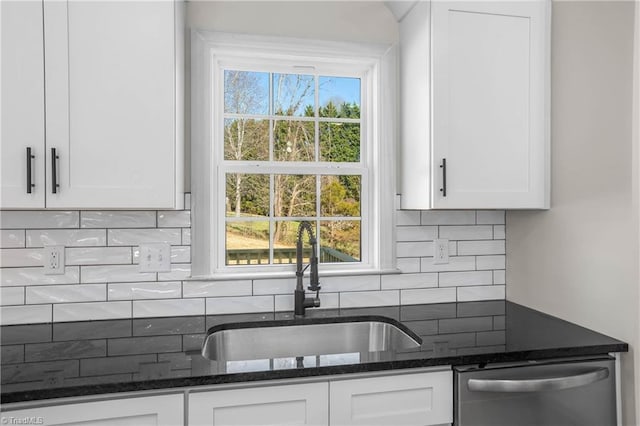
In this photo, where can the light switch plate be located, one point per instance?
(155, 257)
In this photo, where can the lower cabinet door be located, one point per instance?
(407, 399)
(303, 404)
(162, 410)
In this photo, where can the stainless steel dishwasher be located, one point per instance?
(551, 393)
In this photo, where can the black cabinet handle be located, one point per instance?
(443, 166)
(54, 171)
(30, 158)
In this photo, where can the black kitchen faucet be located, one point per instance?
(302, 302)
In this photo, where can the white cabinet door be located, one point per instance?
(489, 65)
(303, 404)
(165, 410)
(111, 103)
(408, 399)
(22, 93)
(474, 105)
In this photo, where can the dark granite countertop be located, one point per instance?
(43, 361)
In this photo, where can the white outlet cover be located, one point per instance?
(440, 251)
(53, 260)
(155, 257)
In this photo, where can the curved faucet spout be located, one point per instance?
(301, 302)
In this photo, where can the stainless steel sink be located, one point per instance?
(294, 338)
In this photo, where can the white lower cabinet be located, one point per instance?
(422, 398)
(408, 399)
(296, 404)
(161, 410)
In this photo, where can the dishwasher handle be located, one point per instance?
(538, 385)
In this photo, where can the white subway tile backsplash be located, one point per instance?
(117, 219)
(68, 238)
(91, 311)
(238, 305)
(98, 256)
(490, 262)
(36, 276)
(417, 233)
(276, 286)
(144, 290)
(11, 296)
(487, 292)
(480, 232)
(39, 219)
(400, 281)
(134, 237)
(174, 219)
(408, 265)
(492, 217)
(21, 257)
(427, 295)
(186, 236)
(432, 217)
(359, 299)
(12, 238)
(179, 271)
(115, 273)
(357, 283)
(168, 308)
(472, 248)
(102, 278)
(413, 249)
(284, 303)
(407, 217)
(455, 279)
(66, 293)
(216, 288)
(25, 314)
(180, 254)
(456, 263)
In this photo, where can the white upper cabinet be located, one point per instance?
(475, 118)
(22, 116)
(113, 105)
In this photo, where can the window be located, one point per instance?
(284, 132)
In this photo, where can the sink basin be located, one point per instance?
(305, 337)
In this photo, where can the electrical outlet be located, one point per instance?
(53, 260)
(441, 251)
(155, 257)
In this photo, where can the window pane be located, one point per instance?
(284, 242)
(339, 241)
(293, 141)
(340, 142)
(247, 195)
(246, 92)
(339, 97)
(246, 139)
(294, 195)
(247, 243)
(340, 196)
(293, 95)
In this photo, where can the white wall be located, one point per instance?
(353, 21)
(579, 261)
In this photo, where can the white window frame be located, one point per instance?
(376, 65)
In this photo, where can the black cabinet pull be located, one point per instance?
(54, 171)
(443, 166)
(30, 158)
